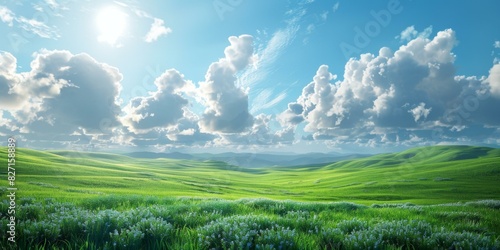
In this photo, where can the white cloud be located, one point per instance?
(6, 15)
(52, 3)
(7, 125)
(408, 34)
(61, 94)
(265, 58)
(292, 116)
(393, 97)
(494, 80)
(38, 28)
(264, 100)
(496, 44)
(73, 99)
(30, 25)
(259, 133)
(162, 119)
(411, 33)
(267, 54)
(318, 99)
(161, 109)
(420, 112)
(227, 104)
(407, 93)
(157, 29)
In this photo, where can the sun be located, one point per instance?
(111, 24)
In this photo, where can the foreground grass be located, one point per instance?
(138, 222)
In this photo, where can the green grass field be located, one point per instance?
(423, 198)
(429, 175)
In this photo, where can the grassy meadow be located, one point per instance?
(442, 197)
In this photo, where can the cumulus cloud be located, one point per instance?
(410, 96)
(494, 80)
(9, 99)
(187, 132)
(292, 116)
(260, 134)
(420, 112)
(6, 15)
(408, 93)
(157, 30)
(161, 108)
(91, 96)
(227, 104)
(61, 94)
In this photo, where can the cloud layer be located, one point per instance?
(63, 96)
(404, 97)
(406, 94)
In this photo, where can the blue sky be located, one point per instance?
(239, 75)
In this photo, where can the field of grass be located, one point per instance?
(429, 175)
(425, 198)
(138, 222)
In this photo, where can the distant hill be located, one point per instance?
(153, 155)
(427, 175)
(254, 160)
(422, 156)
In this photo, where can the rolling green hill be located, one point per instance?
(428, 175)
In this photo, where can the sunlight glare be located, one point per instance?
(111, 24)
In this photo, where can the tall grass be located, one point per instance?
(184, 223)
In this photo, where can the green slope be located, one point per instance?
(428, 175)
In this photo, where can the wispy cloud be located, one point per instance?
(38, 28)
(497, 44)
(264, 63)
(52, 3)
(411, 33)
(269, 53)
(324, 15)
(336, 6)
(157, 28)
(31, 25)
(310, 28)
(264, 100)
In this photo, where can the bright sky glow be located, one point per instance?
(111, 24)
